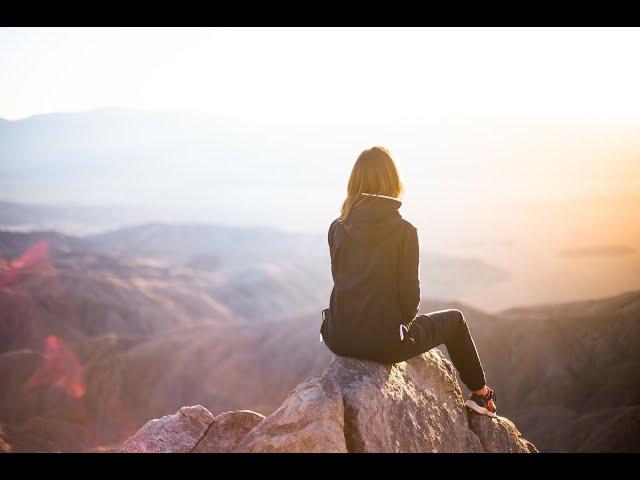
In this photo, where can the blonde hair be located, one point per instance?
(374, 172)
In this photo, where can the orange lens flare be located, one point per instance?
(60, 369)
(36, 257)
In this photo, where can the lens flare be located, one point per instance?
(37, 256)
(60, 368)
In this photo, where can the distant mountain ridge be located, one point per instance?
(85, 219)
(206, 245)
(122, 150)
(181, 241)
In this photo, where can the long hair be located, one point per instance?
(374, 172)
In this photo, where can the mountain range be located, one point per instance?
(104, 331)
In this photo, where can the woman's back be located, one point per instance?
(374, 263)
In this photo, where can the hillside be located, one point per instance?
(94, 343)
(569, 372)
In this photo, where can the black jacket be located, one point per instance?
(374, 263)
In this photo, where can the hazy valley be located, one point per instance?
(102, 332)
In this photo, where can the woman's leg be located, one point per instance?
(449, 327)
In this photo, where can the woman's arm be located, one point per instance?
(330, 235)
(409, 276)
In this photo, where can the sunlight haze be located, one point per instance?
(294, 75)
(514, 144)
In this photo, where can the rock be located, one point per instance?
(311, 419)
(413, 406)
(361, 406)
(177, 433)
(354, 406)
(226, 430)
(499, 435)
(193, 429)
(4, 445)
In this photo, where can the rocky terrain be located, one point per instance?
(354, 406)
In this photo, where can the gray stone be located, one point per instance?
(227, 430)
(177, 433)
(311, 419)
(499, 435)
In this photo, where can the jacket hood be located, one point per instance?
(373, 218)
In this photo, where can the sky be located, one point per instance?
(323, 76)
(487, 113)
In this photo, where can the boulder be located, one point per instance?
(311, 419)
(354, 406)
(499, 435)
(177, 433)
(226, 430)
(193, 429)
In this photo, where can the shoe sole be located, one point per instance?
(478, 409)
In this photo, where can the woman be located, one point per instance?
(376, 292)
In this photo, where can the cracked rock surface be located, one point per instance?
(354, 406)
(192, 429)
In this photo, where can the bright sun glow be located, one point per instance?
(324, 75)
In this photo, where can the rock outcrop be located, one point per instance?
(193, 429)
(227, 430)
(499, 435)
(354, 406)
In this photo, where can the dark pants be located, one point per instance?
(447, 327)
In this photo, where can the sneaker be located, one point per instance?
(478, 403)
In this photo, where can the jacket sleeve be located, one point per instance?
(409, 272)
(330, 237)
